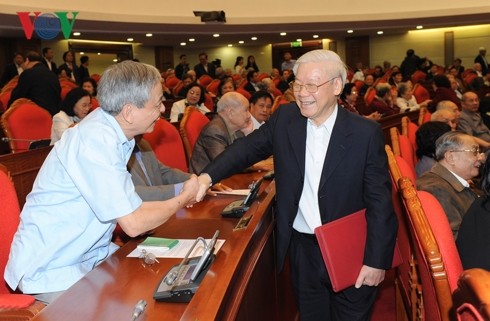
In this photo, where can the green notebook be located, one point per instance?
(159, 242)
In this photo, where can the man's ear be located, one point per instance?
(337, 84)
(127, 113)
(449, 157)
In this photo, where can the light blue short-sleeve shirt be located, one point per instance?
(67, 222)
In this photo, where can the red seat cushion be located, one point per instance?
(16, 301)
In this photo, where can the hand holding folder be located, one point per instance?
(342, 244)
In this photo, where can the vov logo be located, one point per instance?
(47, 25)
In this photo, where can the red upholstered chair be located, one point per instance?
(167, 144)
(209, 102)
(205, 80)
(213, 86)
(369, 96)
(409, 129)
(244, 93)
(421, 93)
(191, 125)
(261, 76)
(469, 78)
(406, 169)
(435, 251)
(402, 147)
(25, 122)
(177, 89)
(418, 76)
(4, 99)
(95, 77)
(171, 82)
(358, 84)
(424, 116)
(472, 297)
(95, 103)
(12, 306)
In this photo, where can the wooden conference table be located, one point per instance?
(242, 283)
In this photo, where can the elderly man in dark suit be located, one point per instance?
(328, 164)
(38, 84)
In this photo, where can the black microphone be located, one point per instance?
(139, 308)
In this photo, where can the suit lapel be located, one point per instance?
(337, 147)
(297, 138)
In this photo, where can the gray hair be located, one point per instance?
(124, 83)
(231, 99)
(382, 89)
(402, 88)
(447, 142)
(331, 59)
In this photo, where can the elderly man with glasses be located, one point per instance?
(458, 159)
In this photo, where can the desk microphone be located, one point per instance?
(139, 308)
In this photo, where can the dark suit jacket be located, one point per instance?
(354, 175)
(69, 71)
(82, 74)
(9, 73)
(53, 66)
(199, 69)
(213, 140)
(41, 86)
(163, 178)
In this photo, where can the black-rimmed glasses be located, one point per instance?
(311, 88)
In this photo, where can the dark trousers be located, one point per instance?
(314, 295)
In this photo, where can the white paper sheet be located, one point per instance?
(181, 249)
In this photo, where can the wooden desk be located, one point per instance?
(241, 284)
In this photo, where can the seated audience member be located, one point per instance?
(90, 85)
(260, 108)
(74, 108)
(38, 84)
(83, 189)
(456, 84)
(443, 91)
(445, 116)
(348, 100)
(383, 101)
(378, 72)
(426, 137)
(275, 73)
(268, 85)
(458, 67)
(13, 69)
(368, 83)
(186, 81)
(458, 160)
(470, 120)
(231, 122)
(69, 68)
(406, 100)
(473, 240)
(449, 105)
(252, 82)
(283, 84)
(396, 78)
(153, 180)
(194, 96)
(360, 73)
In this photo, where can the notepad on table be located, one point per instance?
(157, 243)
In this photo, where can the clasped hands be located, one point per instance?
(195, 188)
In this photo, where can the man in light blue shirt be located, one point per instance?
(83, 189)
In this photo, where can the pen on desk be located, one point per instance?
(139, 308)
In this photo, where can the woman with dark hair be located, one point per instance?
(90, 85)
(194, 97)
(396, 78)
(426, 137)
(473, 240)
(251, 64)
(69, 68)
(74, 108)
(348, 99)
(238, 67)
(443, 91)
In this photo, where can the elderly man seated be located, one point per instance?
(470, 120)
(458, 161)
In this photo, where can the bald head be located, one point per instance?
(448, 105)
(233, 100)
(233, 108)
(445, 116)
(470, 101)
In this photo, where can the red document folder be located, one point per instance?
(342, 244)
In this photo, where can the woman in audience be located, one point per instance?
(383, 101)
(425, 138)
(69, 68)
(74, 108)
(186, 81)
(251, 64)
(473, 240)
(226, 85)
(406, 100)
(90, 85)
(348, 99)
(443, 91)
(194, 97)
(238, 65)
(396, 78)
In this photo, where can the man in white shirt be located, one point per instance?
(260, 108)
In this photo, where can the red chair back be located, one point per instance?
(191, 125)
(25, 122)
(205, 80)
(369, 96)
(421, 93)
(209, 102)
(418, 76)
(10, 221)
(171, 82)
(167, 144)
(407, 150)
(4, 99)
(95, 103)
(213, 86)
(244, 93)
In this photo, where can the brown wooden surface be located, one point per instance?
(23, 168)
(240, 285)
(474, 288)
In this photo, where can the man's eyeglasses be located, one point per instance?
(311, 88)
(475, 151)
(148, 258)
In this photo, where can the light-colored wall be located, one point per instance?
(430, 43)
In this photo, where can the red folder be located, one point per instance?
(342, 244)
